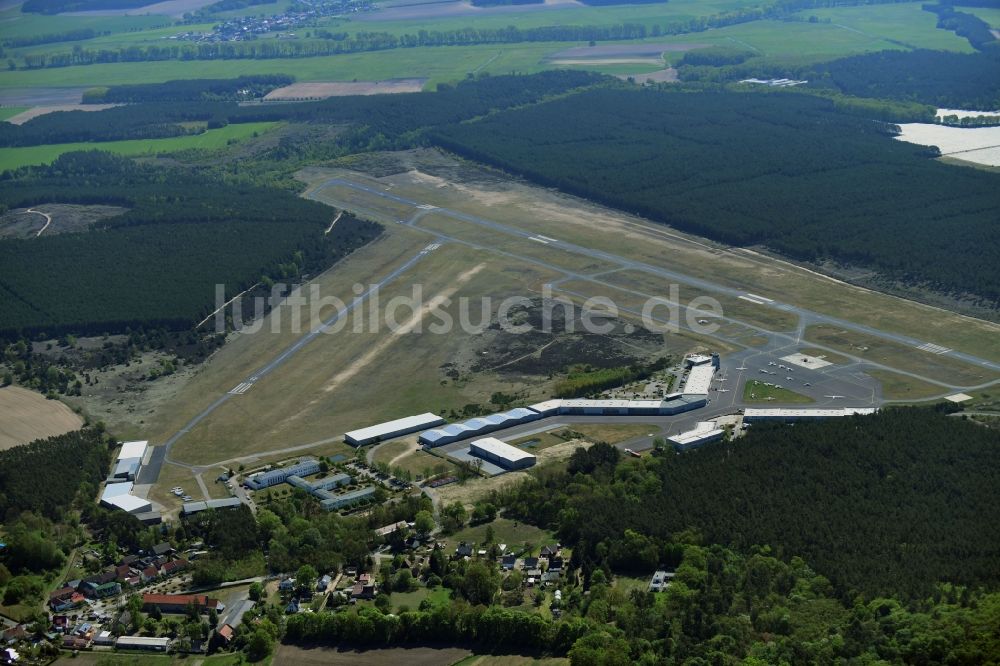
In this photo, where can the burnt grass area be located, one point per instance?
(554, 343)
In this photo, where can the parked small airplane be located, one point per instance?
(833, 397)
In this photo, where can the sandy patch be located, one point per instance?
(972, 144)
(26, 416)
(25, 116)
(325, 89)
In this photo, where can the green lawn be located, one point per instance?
(511, 532)
(12, 158)
(755, 391)
(412, 600)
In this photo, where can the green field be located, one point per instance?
(988, 14)
(14, 22)
(851, 30)
(11, 111)
(514, 534)
(757, 391)
(13, 158)
(905, 23)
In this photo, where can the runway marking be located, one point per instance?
(432, 247)
(241, 388)
(760, 298)
(539, 240)
(754, 301)
(551, 240)
(933, 348)
(427, 207)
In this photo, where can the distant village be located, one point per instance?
(302, 13)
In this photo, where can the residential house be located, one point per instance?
(555, 563)
(660, 581)
(226, 633)
(163, 548)
(549, 551)
(531, 563)
(75, 643)
(507, 562)
(323, 583)
(9, 656)
(173, 567)
(15, 634)
(463, 550)
(149, 574)
(287, 585)
(108, 590)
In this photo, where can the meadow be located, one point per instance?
(214, 139)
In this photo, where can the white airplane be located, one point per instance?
(763, 371)
(771, 363)
(722, 379)
(723, 390)
(769, 398)
(808, 384)
(742, 367)
(833, 397)
(778, 386)
(788, 378)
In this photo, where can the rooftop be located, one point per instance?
(501, 449)
(411, 423)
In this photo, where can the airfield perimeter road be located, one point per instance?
(844, 382)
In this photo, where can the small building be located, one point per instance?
(501, 453)
(323, 583)
(660, 580)
(104, 638)
(333, 502)
(703, 433)
(280, 475)
(162, 548)
(142, 643)
(189, 508)
(391, 429)
(119, 496)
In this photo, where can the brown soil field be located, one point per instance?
(26, 416)
(668, 75)
(417, 656)
(324, 89)
(25, 116)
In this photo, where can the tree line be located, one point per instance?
(157, 264)
(870, 502)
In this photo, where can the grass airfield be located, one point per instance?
(346, 380)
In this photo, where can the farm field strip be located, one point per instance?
(807, 316)
(13, 158)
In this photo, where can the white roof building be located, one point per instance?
(119, 496)
(133, 450)
(702, 433)
(390, 429)
(699, 379)
(501, 453)
(752, 414)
